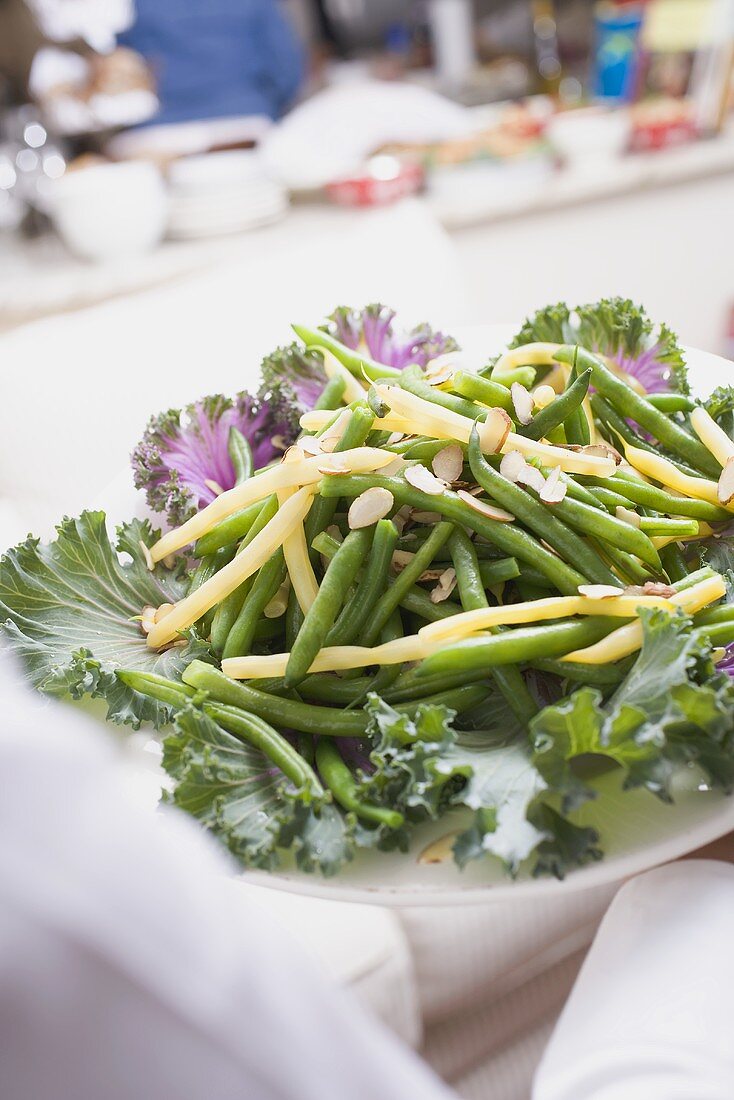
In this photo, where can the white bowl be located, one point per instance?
(590, 133)
(110, 210)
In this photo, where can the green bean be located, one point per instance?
(228, 610)
(388, 674)
(629, 404)
(269, 578)
(718, 634)
(696, 577)
(500, 571)
(241, 454)
(574, 489)
(322, 613)
(390, 599)
(585, 674)
(524, 375)
(413, 381)
(555, 414)
(601, 525)
(660, 526)
(355, 362)
(537, 517)
(293, 619)
(626, 565)
(523, 644)
(510, 539)
(332, 395)
(484, 390)
(671, 402)
(208, 566)
(373, 581)
(246, 727)
(722, 613)
(673, 562)
(610, 499)
(321, 512)
(640, 492)
(419, 603)
(228, 531)
(576, 426)
(426, 451)
(306, 717)
(402, 446)
(340, 781)
(470, 583)
(267, 629)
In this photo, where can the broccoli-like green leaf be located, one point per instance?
(236, 793)
(621, 330)
(720, 406)
(547, 325)
(673, 708)
(69, 608)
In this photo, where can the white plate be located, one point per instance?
(638, 830)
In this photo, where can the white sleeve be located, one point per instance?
(650, 1016)
(130, 963)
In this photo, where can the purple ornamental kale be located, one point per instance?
(726, 664)
(183, 458)
(621, 330)
(372, 328)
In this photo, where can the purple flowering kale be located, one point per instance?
(372, 328)
(621, 330)
(292, 380)
(183, 457)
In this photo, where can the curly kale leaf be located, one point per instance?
(292, 380)
(547, 325)
(69, 608)
(672, 709)
(247, 803)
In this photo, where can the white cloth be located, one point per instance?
(650, 1017)
(131, 964)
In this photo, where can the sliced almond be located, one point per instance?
(532, 477)
(449, 463)
(444, 588)
(147, 619)
(401, 558)
(426, 517)
(543, 396)
(333, 465)
(512, 465)
(312, 444)
(554, 490)
(522, 402)
(336, 430)
(395, 467)
(725, 488)
(369, 506)
(494, 431)
(600, 450)
(488, 510)
(293, 454)
(627, 516)
(599, 591)
(394, 437)
(438, 377)
(421, 478)
(439, 851)
(162, 611)
(150, 564)
(430, 575)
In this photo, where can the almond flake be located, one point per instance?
(312, 445)
(725, 488)
(333, 466)
(532, 477)
(522, 402)
(162, 611)
(449, 463)
(147, 619)
(554, 490)
(401, 558)
(440, 376)
(599, 591)
(439, 851)
(494, 431)
(512, 465)
(488, 510)
(336, 430)
(627, 516)
(394, 437)
(601, 450)
(293, 454)
(395, 467)
(430, 575)
(543, 396)
(425, 517)
(444, 588)
(421, 478)
(279, 441)
(369, 506)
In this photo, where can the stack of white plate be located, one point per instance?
(219, 193)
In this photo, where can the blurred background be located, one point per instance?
(565, 148)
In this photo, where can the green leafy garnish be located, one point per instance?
(70, 610)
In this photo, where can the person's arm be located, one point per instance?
(650, 1016)
(130, 964)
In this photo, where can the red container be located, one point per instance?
(384, 180)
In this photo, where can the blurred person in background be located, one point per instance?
(224, 59)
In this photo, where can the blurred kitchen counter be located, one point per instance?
(656, 226)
